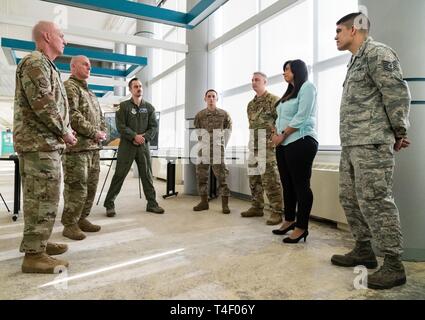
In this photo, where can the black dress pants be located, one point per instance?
(295, 162)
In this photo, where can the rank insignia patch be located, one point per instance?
(389, 65)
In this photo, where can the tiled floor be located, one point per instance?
(188, 255)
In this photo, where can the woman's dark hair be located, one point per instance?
(299, 69)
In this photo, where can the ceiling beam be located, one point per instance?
(202, 10)
(259, 18)
(96, 87)
(23, 45)
(147, 12)
(129, 9)
(102, 35)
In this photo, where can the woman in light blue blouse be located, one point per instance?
(296, 146)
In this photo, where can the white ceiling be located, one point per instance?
(21, 15)
(85, 27)
(16, 20)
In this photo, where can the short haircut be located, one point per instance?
(131, 82)
(74, 59)
(259, 73)
(357, 19)
(211, 90)
(39, 29)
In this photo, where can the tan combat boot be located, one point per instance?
(203, 205)
(252, 212)
(53, 249)
(42, 263)
(86, 226)
(225, 204)
(275, 218)
(73, 232)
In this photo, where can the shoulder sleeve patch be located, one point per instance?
(42, 83)
(389, 66)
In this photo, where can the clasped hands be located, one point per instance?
(70, 138)
(139, 139)
(100, 136)
(401, 143)
(277, 139)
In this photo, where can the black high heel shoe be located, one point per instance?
(284, 231)
(296, 240)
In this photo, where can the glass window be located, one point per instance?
(231, 14)
(169, 91)
(176, 5)
(181, 35)
(156, 62)
(180, 129)
(167, 94)
(278, 89)
(166, 130)
(287, 36)
(329, 12)
(236, 107)
(181, 86)
(266, 3)
(156, 95)
(329, 91)
(169, 58)
(165, 59)
(236, 61)
(131, 51)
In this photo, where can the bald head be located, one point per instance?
(80, 67)
(49, 39)
(41, 28)
(78, 59)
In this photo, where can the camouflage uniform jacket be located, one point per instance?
(375, 101)
(218, 119)
(41, 116)
(262, 115)
(85, 114)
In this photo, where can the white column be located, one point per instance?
(196, 85)
(146, 29)
(119, 48)
(401, 25)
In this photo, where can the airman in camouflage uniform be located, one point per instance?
(41, 129)
(215, 126)
(81, 162)
(262, 167)
(373, 124)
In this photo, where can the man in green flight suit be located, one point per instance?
(137, 125)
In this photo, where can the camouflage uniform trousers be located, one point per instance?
(81, 176)
(221, 173)
(366, 180)
(268, 181)
(41, 179)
